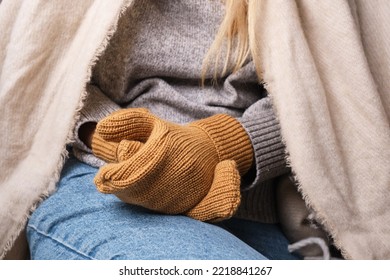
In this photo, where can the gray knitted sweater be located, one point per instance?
(154, 61)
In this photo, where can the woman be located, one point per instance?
(154, 61)
(325, 64)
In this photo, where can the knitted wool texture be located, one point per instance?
(189, 169)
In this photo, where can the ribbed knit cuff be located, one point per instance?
(230, 139)
(269, 150)
(87, 158)
(103, 149)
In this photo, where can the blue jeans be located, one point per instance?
(78, 222)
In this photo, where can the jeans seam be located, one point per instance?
(61, 242)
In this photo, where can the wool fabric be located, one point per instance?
(192, 169)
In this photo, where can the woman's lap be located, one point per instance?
(78, 222)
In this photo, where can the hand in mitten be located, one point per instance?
(189, 169)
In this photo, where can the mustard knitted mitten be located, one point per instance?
(189, 169)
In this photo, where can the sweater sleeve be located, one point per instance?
(263, 129)
(96, 107)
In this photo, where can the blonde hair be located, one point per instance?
(237, 34)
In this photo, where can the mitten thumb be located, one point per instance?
(105, 150)
(112, 151)
(223, 198)
(131, 124)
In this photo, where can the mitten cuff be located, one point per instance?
(103, 149)
(230, 139)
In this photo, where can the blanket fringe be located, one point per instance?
(51, 187)
(329, 229)
(100, 50)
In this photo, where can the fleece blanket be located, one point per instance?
(326, 65)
